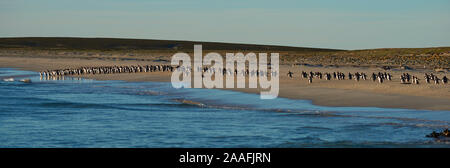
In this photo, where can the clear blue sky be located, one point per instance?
(345, 24)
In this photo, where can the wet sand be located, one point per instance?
(390, 94)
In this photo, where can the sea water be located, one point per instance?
(75, 112)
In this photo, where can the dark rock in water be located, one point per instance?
(438, 135)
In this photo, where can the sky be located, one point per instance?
(339, 24)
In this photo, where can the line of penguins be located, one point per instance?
(433, 78)
(405, 78)
(59, 74)
(107, 70)
(226, 71)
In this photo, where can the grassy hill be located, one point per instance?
(105, 48)
(136, 44)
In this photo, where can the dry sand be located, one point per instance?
(321, 92)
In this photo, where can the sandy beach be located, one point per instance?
(341, 93)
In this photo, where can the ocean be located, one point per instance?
(77, 112)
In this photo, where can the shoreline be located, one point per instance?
(321, 93)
